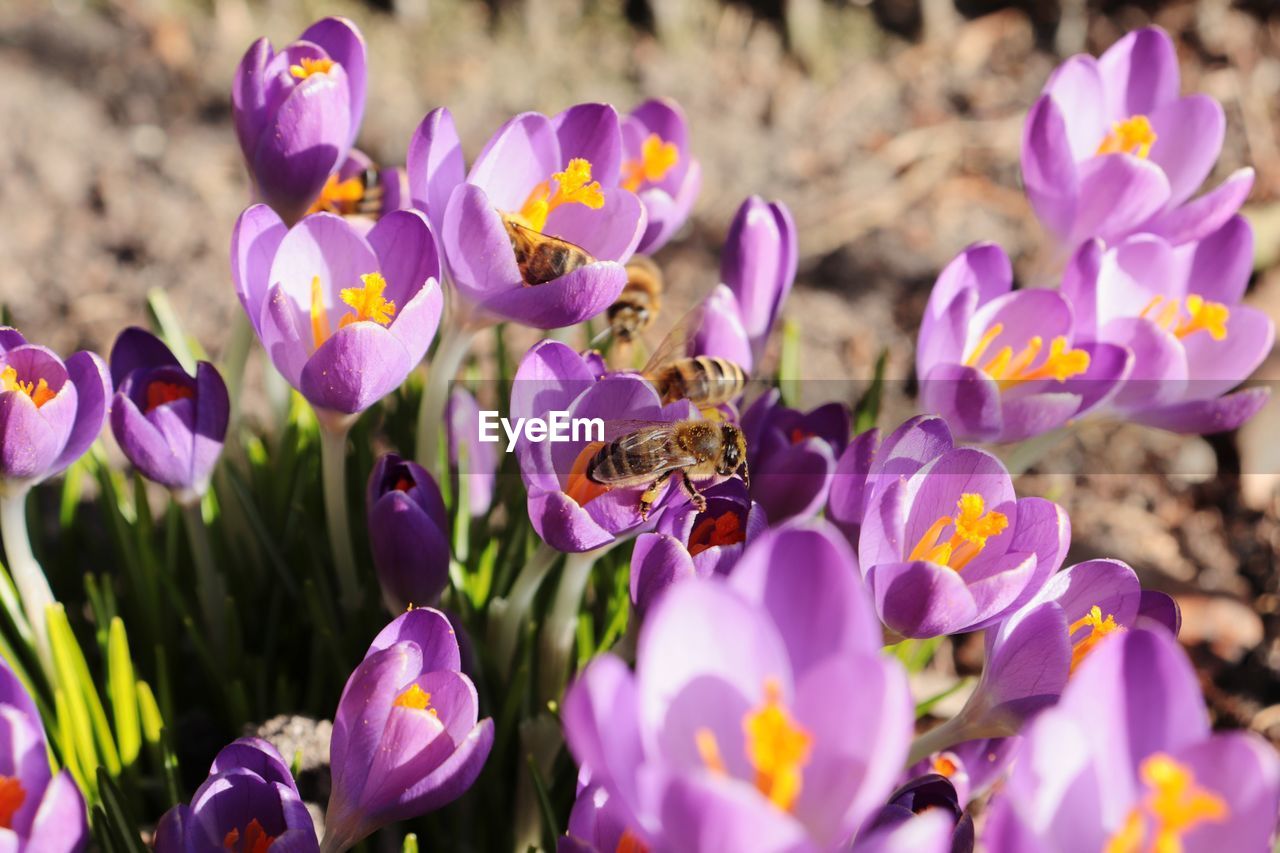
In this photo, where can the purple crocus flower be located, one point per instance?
(1126, 762)
(362, 191)
(407, 738)
(1005, 365)
(248, 803)
(408, 532)
(343, 316)
(944, 543)
(793, 454)
(598, 824)
(470, 458)
(1031, 655)
(169, 424)
(1111, 148)
(571, 513)
(719, 330)
(758, 263)
(688, 543)
(537, 177)
(1178, 311)
(51, 411)
(924, 796)
(761, 715)
(39, 810)
(297, 112)
(659, 167)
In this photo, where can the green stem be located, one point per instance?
(455, 342)
(562, 622)
(235, 359)
(1018, 458)
(210, 588)
(333, 460)
(508, 614)
(28, 577)
(970, 724)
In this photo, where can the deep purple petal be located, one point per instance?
(88, 373)
(344, 43)
(357, 367)
(1139, 73)
(592, 132)
(919, 599)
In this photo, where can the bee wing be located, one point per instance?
(648, 452)
(675, 345)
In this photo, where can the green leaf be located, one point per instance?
(916, 654)
(929, 704)
(166, 320)
(87, 713)
(149, 712)
(789, 363)
(410, 844)
(549, 826)
(124, 693)
(68, 738)
(867, 413)
(122, 826)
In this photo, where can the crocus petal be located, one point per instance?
(849, 487)
(410, 552)
(1216, 366)
(1189, 133)
(1159, 372)
(974, 277)
(570, 299)
(563, 524)
(602, 727)
(357, 367)
(254, 241)
(610, 233)
(1076, 87)
(793, 482)
(1117, 193)
(1206, 214)
(1080, 286)
(59, 823)
(135, 348)
(720, 331)
(919, 599)
(523, 153)
(1242, 770)
(87, 372)
(248, 96)
(147, 447)
(1044, 528)
(759, 263)
(344, 43)
(362, 713)
(406, 251)
(657, 562)
(1131, 275)
(1204, 417)
(435, 164)
(593, 133)
(1139, 73)
(1218, 266)
(701, 816)
(1049, 168)
(966, 398)
(1028, 662)
(1160, 608)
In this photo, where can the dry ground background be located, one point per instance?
(891, 130)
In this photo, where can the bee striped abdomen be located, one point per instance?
(704, 380)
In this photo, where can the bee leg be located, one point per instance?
(650, 495)
(699, 500)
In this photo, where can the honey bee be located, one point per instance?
(651, 455)
(541, 257)
(704, 380)
(362, 195)
(375, 193)
(638, 304)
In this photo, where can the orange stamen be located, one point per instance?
(1009, 368)
(12, 796)
(311, 66)
(160, 393)
(1098, 628)
(715, 532)
(578, 486)
(340, 197)
(1174, 806)
(255, 840)
(656, 159)
(972, 527)
(1131, 136)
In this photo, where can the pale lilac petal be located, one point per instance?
(1189, 133)
(1139, 73)
(435, 164)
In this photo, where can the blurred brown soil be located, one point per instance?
(893, 148)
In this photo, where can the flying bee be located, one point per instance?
(638, 304)
(704, 380)
(541, 257)
(373, 195)
(651, 455)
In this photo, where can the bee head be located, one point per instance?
(734, 458)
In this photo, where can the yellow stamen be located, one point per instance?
(368, 302)
(572, 186)
(415, 698)
(311, 66)
(340, 197)
(656, 159)
(1009, 368)
(972, 527)
(39, 392)
(1200, 315)
(1098, 628)
(1131, 136)
(778, 747)
(320, 330)
(577, 485)
(709, 751)
(1173, 807)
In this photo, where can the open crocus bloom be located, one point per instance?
(39, 810)
(761, 715)
(659, 167)
(1126, 763)
(570, 512)
(944, 543)
(1178, 311)
(1111, 148)
(51, 411)
(170, 424)
(689, 543)
(297, 112)
(407, 738)
(248, 803)
(343, 316)
(538, 230)
(1005, 365)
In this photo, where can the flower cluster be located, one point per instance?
(765, 555)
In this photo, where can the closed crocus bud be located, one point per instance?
(39, 810)
(408, 531)
(912, 814)
(169, 424)
(759, 264)
(51, 411)
(659, 168)
(297, 112)
(407, 738)
(344, 315)
(248, 803)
